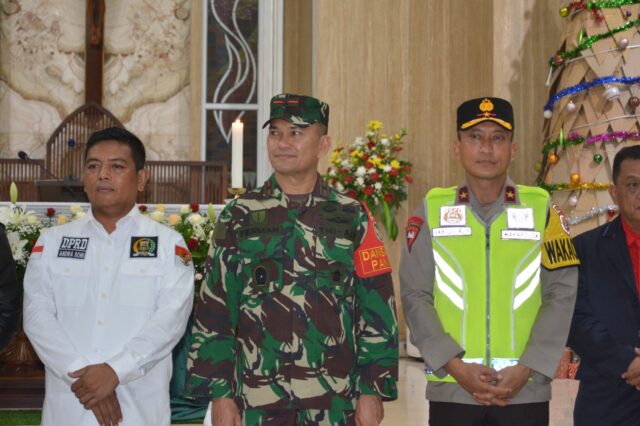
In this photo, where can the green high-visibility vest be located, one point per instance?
(487, 278)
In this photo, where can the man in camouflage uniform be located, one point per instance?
(297, 322)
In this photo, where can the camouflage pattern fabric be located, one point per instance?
(299, 110)
(283, 321)
(298, 417)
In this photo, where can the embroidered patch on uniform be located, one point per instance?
(219, 231)
(463, 195)
(520, 218)
(563, 219)
(183, 254)
(144, 247)
(371, 258)
(414, 224)
(557, 248)
(453, 216)
(73, 247)
(258, 217)
(36, 251)
(510, 194)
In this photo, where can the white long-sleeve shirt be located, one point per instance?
(121, 298)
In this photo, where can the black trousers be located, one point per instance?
(452, 414)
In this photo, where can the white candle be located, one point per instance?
(237, 129)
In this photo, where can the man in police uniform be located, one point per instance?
(488, 283)
(107, 296)
(297, 322)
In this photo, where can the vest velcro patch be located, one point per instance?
(73, 247)
(557, 248)
(144, 247)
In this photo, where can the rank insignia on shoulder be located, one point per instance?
(414, 224)
(463, 195)
(183, 255)
(144, 247)
(73, 247)
(510, 195)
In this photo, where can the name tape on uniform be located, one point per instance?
(519, 234)
(73, 247)
(451, 231)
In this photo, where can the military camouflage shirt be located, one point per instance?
(284, 321)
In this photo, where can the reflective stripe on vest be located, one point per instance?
(487, 296)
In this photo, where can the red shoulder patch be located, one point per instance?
(37, 249)
(414, 225)
(370, 258)
(183, 254)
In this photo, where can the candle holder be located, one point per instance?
(236, 192)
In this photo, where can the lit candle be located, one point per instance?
(237, 129)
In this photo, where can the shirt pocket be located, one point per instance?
(138, 282)
(262, 269)
(335, 268)
(69, 281)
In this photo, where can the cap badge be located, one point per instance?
(486, 106)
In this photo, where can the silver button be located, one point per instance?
(99, 322)
(103, 295)
(106, 268)
(66, 269)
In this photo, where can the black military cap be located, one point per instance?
(476, 111)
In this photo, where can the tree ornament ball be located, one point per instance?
(537, 166)
(634, 101)
(548, 114)
(597, 158)
(573, 200)
(575, 178)
(611, 93)
(553, 158)
(571, 106)
(623, 43)
(564, 12)
(558, 60)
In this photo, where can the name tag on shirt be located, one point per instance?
(73, 247)
(519, 234)
(451, 231)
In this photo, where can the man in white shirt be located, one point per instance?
(106, 298)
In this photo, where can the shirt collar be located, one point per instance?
(272, 189)
(134, 215)
(632, 236)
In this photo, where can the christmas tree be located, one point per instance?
(592, 108)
